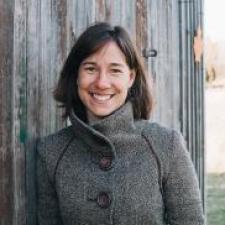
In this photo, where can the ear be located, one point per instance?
(132, 78)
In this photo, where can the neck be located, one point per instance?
(92, 118)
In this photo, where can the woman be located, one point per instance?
(112, 166)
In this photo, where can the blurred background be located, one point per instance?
(215, 110)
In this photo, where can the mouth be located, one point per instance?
(101, 97)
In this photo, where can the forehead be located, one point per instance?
(110, 52)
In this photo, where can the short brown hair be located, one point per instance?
(90, 41)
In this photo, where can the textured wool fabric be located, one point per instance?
(151, 180)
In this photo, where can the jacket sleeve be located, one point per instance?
(47, 203)
(180, 190)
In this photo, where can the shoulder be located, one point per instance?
(54, 142)
(165, 139)
(156, 130)
(167, 144)
(51, 148)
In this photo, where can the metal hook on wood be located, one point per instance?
(149, 53)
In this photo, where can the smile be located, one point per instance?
(101, 97)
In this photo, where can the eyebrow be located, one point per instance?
(117, 64)
(111, 64)
(88, 62)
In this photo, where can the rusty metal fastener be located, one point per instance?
(149, 53)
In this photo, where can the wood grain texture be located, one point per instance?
(6, 154)
(192, 86)
(141, 24)
(163, 36)
(47, 47)
(19, 102)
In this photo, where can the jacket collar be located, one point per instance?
(100, 131)
(120, 121)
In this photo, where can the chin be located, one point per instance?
(103, 114)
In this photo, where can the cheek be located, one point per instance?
(81, 87)
(126, 85)
(127, 82)
(82, 82)
(123, 88)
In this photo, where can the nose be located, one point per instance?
(102, 81)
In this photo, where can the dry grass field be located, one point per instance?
(215, 126)
(215, 203)
(215, 151)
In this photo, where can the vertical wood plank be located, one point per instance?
(6, 154)
(199, 80)
(34, 104)
(103, 10)
(117, 13)
(128, 18)
(152, 20)
(19, 102)
(173, 61)
(47, 46)
(163, 37)
(192, 81)
(80, 15)
(141, 24)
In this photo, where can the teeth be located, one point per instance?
(102, 97)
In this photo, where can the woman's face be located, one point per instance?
(103, 81)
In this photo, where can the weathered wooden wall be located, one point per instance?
(6, 154)
(192, 84)
(35, 39)
(163, 36)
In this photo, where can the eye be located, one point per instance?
(116, 71)
(90, 69)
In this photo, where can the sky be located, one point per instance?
(214, 12)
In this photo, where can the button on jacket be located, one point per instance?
(117, 171)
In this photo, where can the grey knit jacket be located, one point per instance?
(116, 172)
